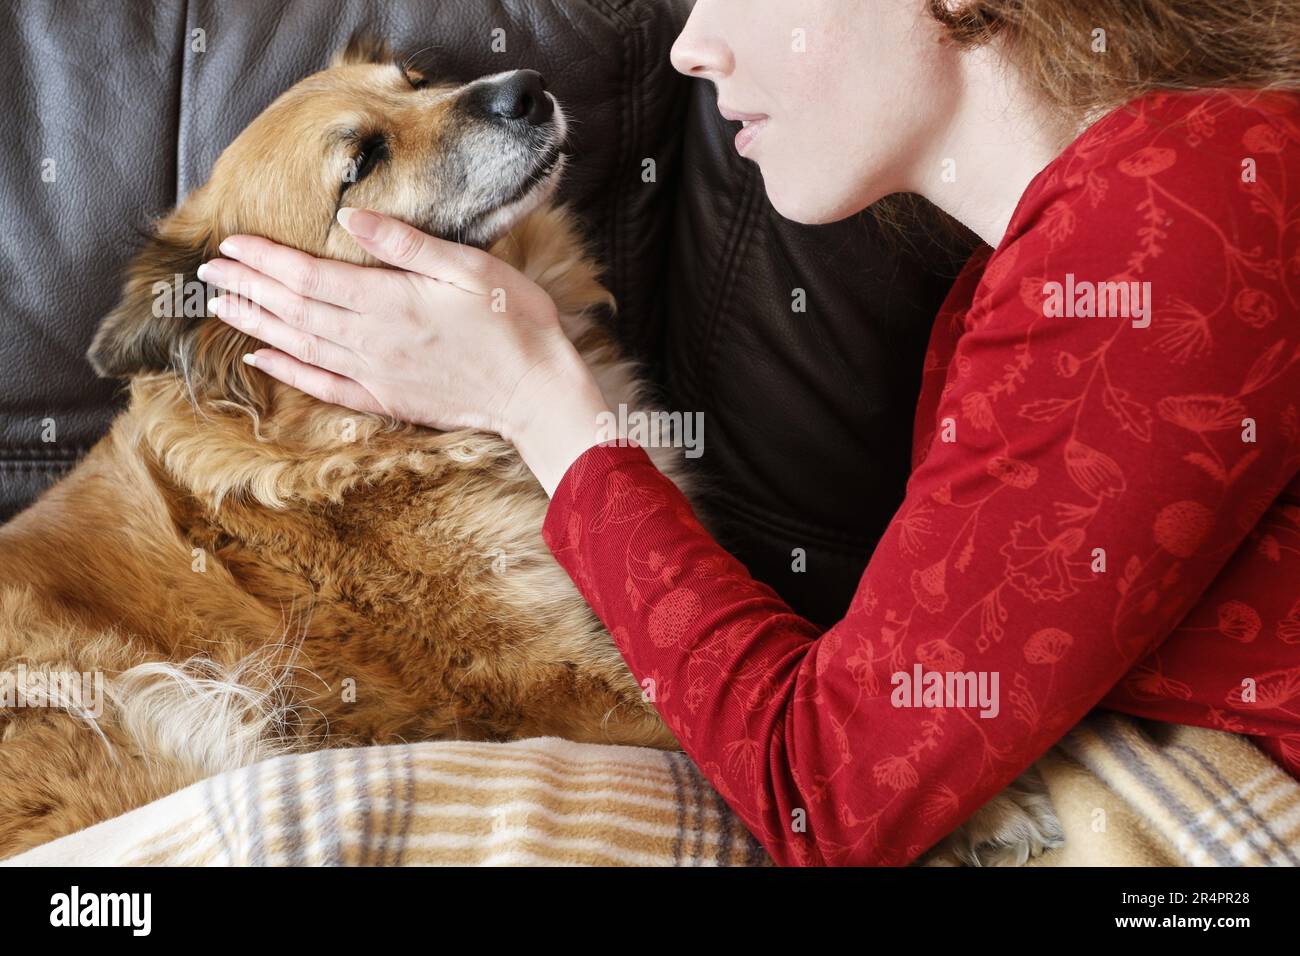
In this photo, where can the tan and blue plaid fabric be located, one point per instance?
(1127, 792)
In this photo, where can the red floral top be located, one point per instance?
(1104, 510)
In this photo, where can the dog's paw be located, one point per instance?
(1012, 828)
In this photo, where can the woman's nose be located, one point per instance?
(699, 52)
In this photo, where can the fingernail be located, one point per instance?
(209, 272)
(358, 222)
(215, 305)
(250, 359)
(230, 247)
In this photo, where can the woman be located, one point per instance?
(1104, 506)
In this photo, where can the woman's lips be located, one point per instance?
(747, 134)
(753, 125)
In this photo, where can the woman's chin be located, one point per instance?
(809, 206)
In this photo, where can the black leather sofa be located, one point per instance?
(114, 109)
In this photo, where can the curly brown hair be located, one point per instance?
(1146, 45)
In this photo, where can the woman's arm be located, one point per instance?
(1042, 562)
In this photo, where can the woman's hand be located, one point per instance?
(456, 339)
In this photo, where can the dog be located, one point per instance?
(252, 571)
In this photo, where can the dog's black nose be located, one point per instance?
(520, 95)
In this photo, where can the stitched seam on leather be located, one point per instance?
(578, 32)
(630, 65)
(36, 465)
(618, 22)
(737, 239)
(632, 70)
(43, 453)
(638, 43)
(180, 104)
(612, 11)
(709, 312)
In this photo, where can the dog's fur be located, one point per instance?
(255, 571)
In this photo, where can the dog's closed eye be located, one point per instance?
(370, 152)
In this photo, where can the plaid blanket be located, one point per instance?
(1128, 793)
(1140, 793)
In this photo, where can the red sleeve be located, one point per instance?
(1081, 482)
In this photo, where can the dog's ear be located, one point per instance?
(363, 47)
(162, 322)
(162, 303)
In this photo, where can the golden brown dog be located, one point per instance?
(250, 570)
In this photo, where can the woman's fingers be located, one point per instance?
(310, 317)
(266, 327)
(398, 244)
(317, 382)
(322, 280)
